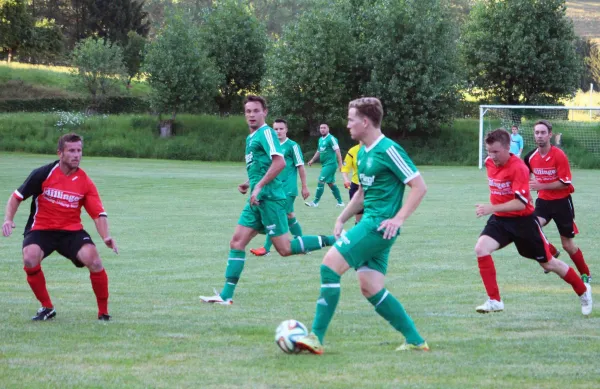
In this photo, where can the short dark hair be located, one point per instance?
(68, 138)
(498, 135)
(370, 107)
(256, 98)
(545, 123)
(514, 126)
(279, 120)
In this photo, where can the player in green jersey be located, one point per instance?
(265, 210)
(384, 170)
(294, 167)
(331, 159)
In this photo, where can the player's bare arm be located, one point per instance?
(355, 205)
(102, 228)
(9, 214)
(511, 206)
(556, 185)
(338, 155)
(302, 174)
(314, 158)
(418, 189)
(276, 167)
(243, 188)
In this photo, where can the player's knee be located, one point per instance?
(32, 256)
(481, 250)
(283, 249)
(88, 255)
(569, 246)
(291, 215)
(236, 244)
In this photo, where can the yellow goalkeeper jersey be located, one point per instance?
(350, 163)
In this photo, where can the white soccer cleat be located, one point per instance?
(311, 204)
(342, 205)
(586, 300)
(216, 299)
(490, 306)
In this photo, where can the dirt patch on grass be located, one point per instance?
(17, 89)
(586, 18)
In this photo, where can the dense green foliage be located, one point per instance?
(236, 41)
(179, 71)
(16, 26)
(112, 20)
(133, 54)
(521, 51)
(109, 105)
(98, 67)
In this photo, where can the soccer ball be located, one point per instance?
(287, 333)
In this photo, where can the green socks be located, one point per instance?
(391, 310)
(327, 302)
(235, 266)
(336, 193)
(305, 244)
(320, 190)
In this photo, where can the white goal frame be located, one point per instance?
(484, 108)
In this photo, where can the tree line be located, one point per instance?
(310, 58)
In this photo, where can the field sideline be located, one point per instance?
(172, 221)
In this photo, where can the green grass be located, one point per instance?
(51, 81)
(173, 220)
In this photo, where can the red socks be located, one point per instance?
(37, 282)
(579, 262)
(488, 276)
(100, 287)
(572, 278)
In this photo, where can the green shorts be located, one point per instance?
(364, 246)
(289, 206)
(327, 174)
(269, 217)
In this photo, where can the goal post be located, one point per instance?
(574, 129)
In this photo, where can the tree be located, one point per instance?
(237, 42)
(179, 71)
(521, 51)
(16, 26)
(113, 19)
(98, 68)
(410, 49)
(584, 49)
(595, 65)
(311, 67)
(47, 44)
(133, 54)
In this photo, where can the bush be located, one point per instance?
(111, 105)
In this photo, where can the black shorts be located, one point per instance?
(563, 213)
(66, 243)
(353, 189)
(524, 231)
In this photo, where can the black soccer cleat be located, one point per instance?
(104, 317)
(44, 314)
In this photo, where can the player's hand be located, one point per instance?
(483, 209)
(338, 229)
(254, 196)
(243, 188)
(534, 185)
(310, 162)
(347, 184)
(305, 193)
(111, 244)
(390, 227)
(7, 227)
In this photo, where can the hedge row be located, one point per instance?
(112, 105)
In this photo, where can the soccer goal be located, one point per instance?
(574, 129)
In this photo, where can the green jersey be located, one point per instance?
(384, 168)
(293, 159)
(327, 147)
(260, 147)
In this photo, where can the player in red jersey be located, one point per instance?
(552, 180)
(59, 190)
(513, 220)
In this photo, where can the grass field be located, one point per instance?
(172, 221)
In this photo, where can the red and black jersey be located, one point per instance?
(57, 199)
(549, 168)
(508, 182)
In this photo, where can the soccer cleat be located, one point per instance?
(260, 252)
(216, 299)
(310, 343)
(104, 317)
(490, 306)
(44, 314)
(342, 205)
(586, 298)
(414, 347)
(311, 204)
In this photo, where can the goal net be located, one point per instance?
(575, 129)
